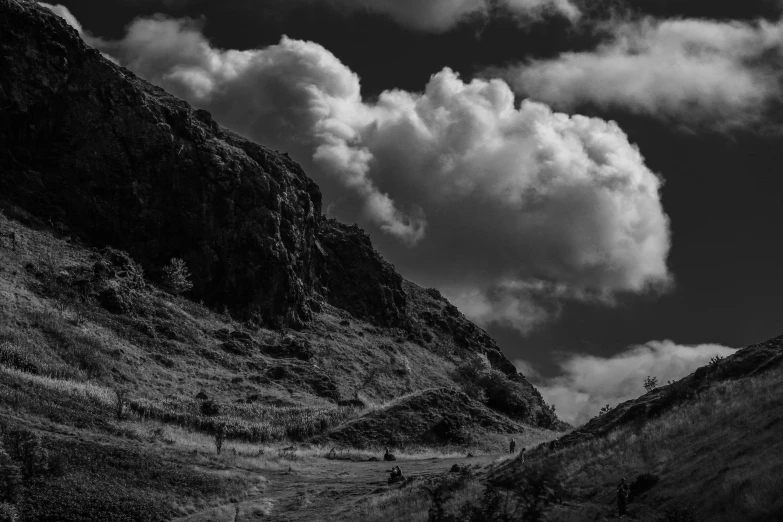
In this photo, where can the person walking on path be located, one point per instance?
(512, 446)
(622, 498)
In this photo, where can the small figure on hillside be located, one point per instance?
(622, 498)
(14, 239)
(522, 453)
(395, 475)
(388, 456)
(512, 446)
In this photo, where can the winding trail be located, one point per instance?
(327, 489)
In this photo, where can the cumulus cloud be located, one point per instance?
(698, 71)
(441, 15)
(589, 383)
(508, 209)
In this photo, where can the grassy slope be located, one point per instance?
(718, 457)
(62, 361)
(721, 452)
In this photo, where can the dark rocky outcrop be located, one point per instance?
(356, 278)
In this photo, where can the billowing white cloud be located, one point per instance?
(695, 71)
(441, 15)
(511, 208)
(589, 383)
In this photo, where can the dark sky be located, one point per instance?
(723, 190)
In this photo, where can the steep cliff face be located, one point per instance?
(356, 278)
(85, 142)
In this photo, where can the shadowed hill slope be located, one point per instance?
(746, 363)
(707, 447)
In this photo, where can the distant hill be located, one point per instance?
(705, 448)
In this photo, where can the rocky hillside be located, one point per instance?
(104, 158)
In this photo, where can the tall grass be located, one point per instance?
(248, 422)
(84, 390)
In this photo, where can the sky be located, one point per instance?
(595, 183)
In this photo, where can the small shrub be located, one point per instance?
(34, 457)
(606, 409)
(642, 483)
(25, 446)
(58, 465)
(219, 437)
(528, 501)
(8, 513)
(119, 405)
(209, 408)
(715, 360)
(10, 479)
(176, 276)
(547, 418)
(650, 383)
(683, 512)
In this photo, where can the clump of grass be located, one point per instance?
(83, 390)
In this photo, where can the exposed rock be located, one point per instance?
(120, 161)
(356, 278)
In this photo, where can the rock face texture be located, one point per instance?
(356, 278)
(85, 142)
(112, 160)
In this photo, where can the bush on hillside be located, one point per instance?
(491, 387)
(683, 512)
(10, 479)
(642, 483)
(176, 276)
(546, 418)
(8, 513)
(528, 501)
(25, 447)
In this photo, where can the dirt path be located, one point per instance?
(325, 489)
